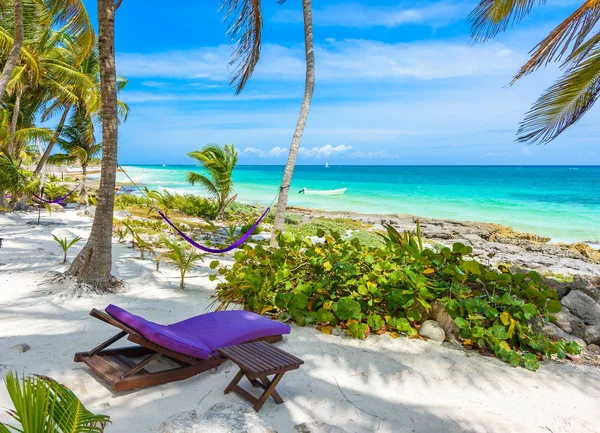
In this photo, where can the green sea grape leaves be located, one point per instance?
(391, 288)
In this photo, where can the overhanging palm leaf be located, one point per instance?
(564, 103)
(569, 34)
(245, 26)
(491, 17)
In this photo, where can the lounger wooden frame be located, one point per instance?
(122, 371)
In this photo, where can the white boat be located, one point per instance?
(339, 191)
(326, 165)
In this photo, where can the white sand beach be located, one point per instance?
(377, 385)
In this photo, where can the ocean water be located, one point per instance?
(560, 202)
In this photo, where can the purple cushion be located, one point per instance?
(202, 335)
(161, 334)
(228, 328)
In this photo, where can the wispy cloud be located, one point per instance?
(343, 60)
(314, 152)
(358, 15)
(324, 151)
(273, 153)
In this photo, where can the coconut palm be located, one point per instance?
(245, 31)
(43, 405)
(93, 264)
(302, 118)
(78, 144)
(19, 35)
(571, 42)
(220, 162)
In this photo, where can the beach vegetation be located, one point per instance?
(575, 43)
(43, 405)
(220, 162)
(183, 256)
(66, 244)
(392, 288)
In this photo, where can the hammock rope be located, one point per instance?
(58, 200)
(192, 242)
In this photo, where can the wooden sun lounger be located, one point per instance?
(125, 368)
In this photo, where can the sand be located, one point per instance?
(378, 385)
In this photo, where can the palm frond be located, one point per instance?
(208, 185)
(491, 17)
(568, 35)
(245, 27)
(564, 103)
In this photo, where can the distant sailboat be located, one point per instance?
(326, 165)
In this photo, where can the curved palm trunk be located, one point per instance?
(304, 109)
(93, 264)
(15, 51)
(55, 137)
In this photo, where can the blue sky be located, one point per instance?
(398, 82)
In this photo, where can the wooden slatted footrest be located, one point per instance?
(257, 361)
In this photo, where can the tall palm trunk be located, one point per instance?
(304, 109)
(84, 194)
(15, 51)
(12, 145)
(55, 137)
(93, 264)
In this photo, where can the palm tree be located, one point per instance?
(13, 178)
(576, 91)
(297, 139)
(78, 144)
(245, 31)
(15, 51)
(220, 162)
(44, 405)
(93, 264)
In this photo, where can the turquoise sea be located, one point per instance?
(560, 202)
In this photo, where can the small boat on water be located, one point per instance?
(326, 165)
(339, 191)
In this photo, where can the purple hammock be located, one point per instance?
(57, 200)
(193, 243)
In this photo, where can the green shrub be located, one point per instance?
(391, 288)
(194, 205)
(327, 225)
(123, 201)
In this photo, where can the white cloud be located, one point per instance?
(273, 153)
(314, 152)
(345, 60)
(358, 15)
(324, 151)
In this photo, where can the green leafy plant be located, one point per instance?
(65, 244)
(392, 287)
(183, 257)
(43, 405)
(137, 241)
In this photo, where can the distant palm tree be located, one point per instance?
(78, 144)
(220, 162)
(567, 100)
